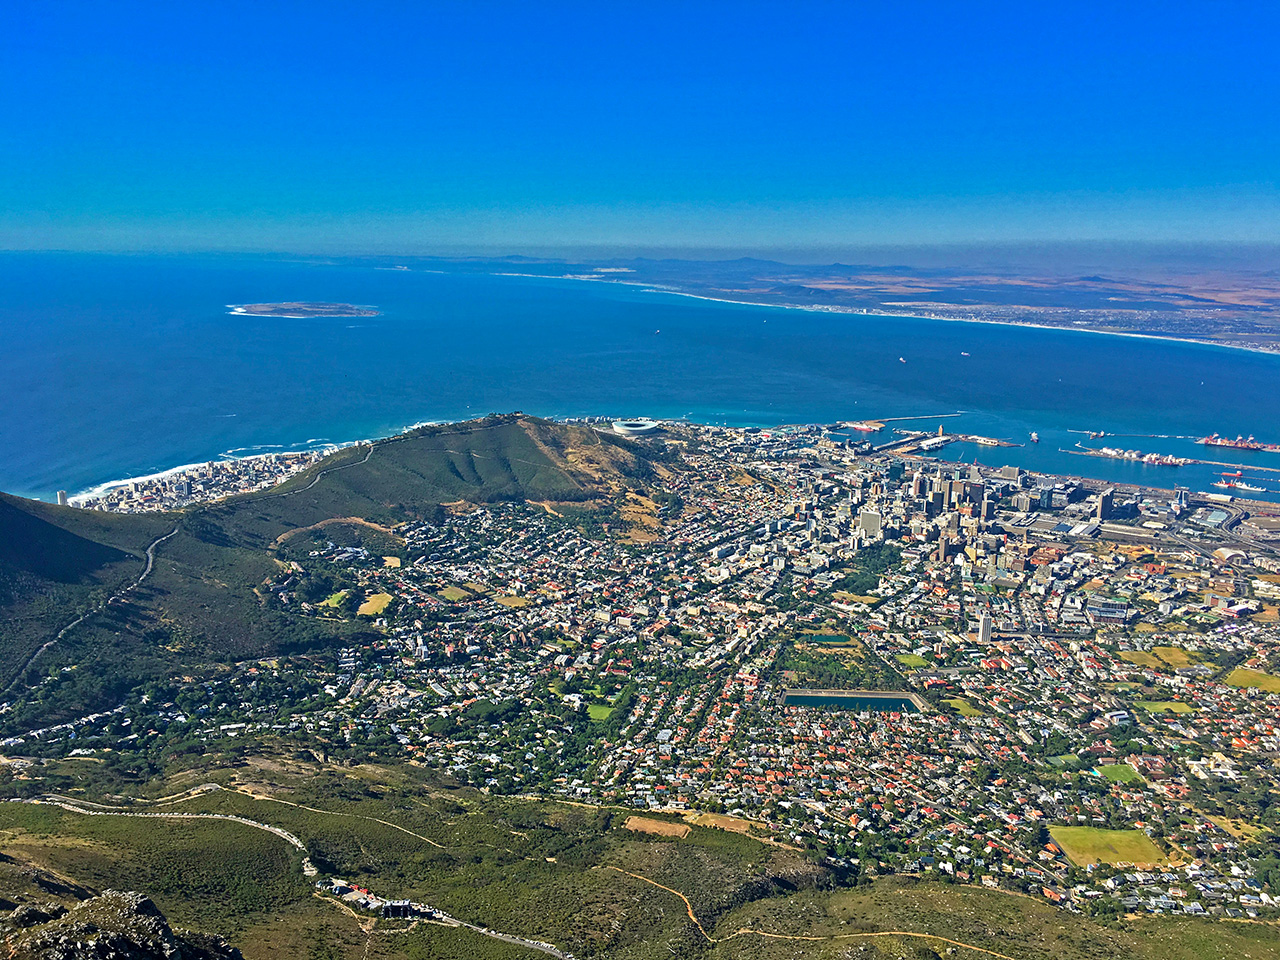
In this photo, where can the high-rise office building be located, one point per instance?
(869, 522)
(1106, 500)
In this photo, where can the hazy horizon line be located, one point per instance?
(1136, 251)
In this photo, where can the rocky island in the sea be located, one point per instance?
(301, 310)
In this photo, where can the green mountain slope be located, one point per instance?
(481, 461)
(32, 545)
(201, 604)
(56, 562)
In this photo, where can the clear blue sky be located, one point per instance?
(423, 126)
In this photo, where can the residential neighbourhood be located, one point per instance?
(899, 664)
(201, 482)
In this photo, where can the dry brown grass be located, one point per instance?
(1241, 677)
(340, 521)
(640, 514)
(845, 597)
(1174, 656)
(1160, 657)
(720, 822)
(660, 828)
(374, 605)
(1089, 845)
(1237, 828)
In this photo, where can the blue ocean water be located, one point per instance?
(117, 366)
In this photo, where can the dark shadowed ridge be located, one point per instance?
(33, 545)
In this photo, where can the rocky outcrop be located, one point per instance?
(112, 926)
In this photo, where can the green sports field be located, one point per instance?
(1240, 677)
(1120, 773)
(1164, 706)
(1089, 845)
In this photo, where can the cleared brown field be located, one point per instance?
(721, 822)
(1174, 656)
(1141, 658)
(1089, 845)
(375, 604)
(1160, 657)
(660, 828)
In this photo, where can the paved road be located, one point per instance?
(73, 807)
(314, 480)
(102, 810)
(518, 941)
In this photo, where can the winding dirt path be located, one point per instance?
(314, 480)
(747, 931)
(335, 813)
(366, 924)
(146, 572)
(357, 521)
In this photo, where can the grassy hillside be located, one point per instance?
(128, 532)
(481, 461)
(571, 874)
(31, 545)
(201, 605)
(43, 545)
(56, 562)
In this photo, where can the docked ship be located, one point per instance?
(1240, 485)
(1133, 456)
(1239, 443)
(1165, 460)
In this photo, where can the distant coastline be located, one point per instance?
(301, 310)
(450, 347)
(888, 312)
(98, 490)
